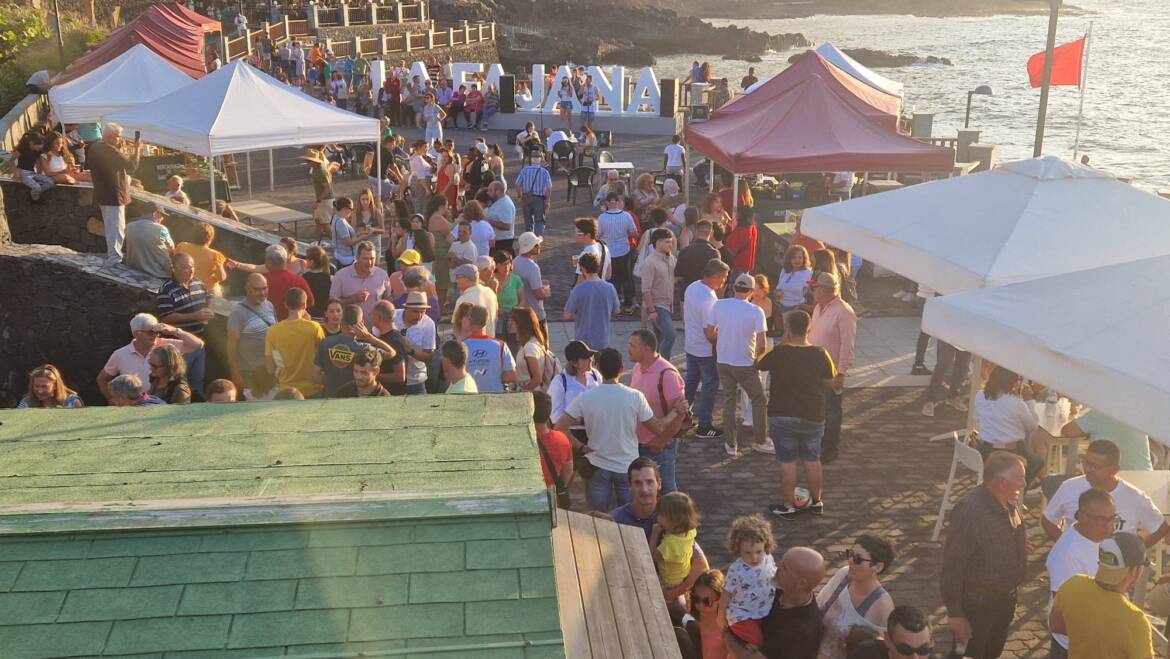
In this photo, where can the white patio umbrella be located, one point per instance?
(1099, 336)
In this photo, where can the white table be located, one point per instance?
(624, 169)
(262, 213)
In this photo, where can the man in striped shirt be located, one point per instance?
(535, 186)
(182, 302)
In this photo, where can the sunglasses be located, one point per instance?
(921, 651)
(707, 601)
(858, 559)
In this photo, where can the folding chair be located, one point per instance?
(967, 456)
(582, 177)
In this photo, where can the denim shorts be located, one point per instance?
(796, 439)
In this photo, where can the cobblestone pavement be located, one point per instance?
(888, 480)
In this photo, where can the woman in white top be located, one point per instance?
(420, 175)
(57, 162)
(1004, 418)
(565, 98)
(854, 597)
(532, 359)
(795, 272)
(578, 377)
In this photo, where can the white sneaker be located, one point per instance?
(731, 449)
(766, 447)
(898, 295)
(957, 403)
(909, 297)
(928, 408)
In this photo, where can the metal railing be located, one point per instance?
(466, 33)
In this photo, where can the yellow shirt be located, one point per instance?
(1102, 624)
(676, 551)
(292, 344)
(206, 260)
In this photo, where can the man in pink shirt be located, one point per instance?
(362, 283)
(833, 327)
(652, 371)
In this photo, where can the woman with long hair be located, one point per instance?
(495, 163)
(1005, 419)
(421, 240)
(46, 388)
(168, 375)
(57, 162)
(448, 183)
(714, 213)
(438, 215)
(331, 317)
(742, 241)
(368, 217)
(706, 630)
(533, 355)
(319, 279)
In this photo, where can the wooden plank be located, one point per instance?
(599, 614)
(645, 577)
(570, 606)
(623, 594)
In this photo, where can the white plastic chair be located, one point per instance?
(1156, 485)
(965, 455)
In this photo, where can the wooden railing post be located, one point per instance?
(287, 28)
(450, 37)
(406, 42)
(223, 48)
(373, 12)
(343, 14)
(357, 47)
(493, 31)
(399, 16)
(311, 15)
(430, 39)
(382, 47)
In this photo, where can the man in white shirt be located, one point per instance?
(1076, 551)
(1137, 514)
(611, 413)
(702, 377)
(501, 215)
(419, 332)
(674, 159)
(737, 327)
(241, 25)
(466, 278)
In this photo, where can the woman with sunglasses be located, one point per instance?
(46, 388)
(854, 597)
(706, 628)
(168, 375)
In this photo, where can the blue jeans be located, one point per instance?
(664, 330)
(534, 215)
(196, 366)
(702, 382)
(667, 459)
(833, 415)
(604, 487)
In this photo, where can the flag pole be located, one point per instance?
(1084, 81)
(1053, 16)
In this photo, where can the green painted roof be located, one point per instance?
(257, 463)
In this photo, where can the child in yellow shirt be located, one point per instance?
(672, 540)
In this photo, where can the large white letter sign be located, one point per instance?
(550, 103)
(462, 72)
(612, 93)
(646, 93)
(419, 69)
(530, 100)
(493, 75)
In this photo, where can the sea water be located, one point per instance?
(1126, 128)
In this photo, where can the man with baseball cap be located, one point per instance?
(833, 327)
(466, 279)
(738, 327)
(534, 292)
(1096, 613)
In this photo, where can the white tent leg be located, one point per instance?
(686, 186)
(211, 177)
(976, 382)
(248, 157)
(271, 173)
(378, 171)
(734, 198)
(710, 175)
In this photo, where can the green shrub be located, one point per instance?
(38, 54)
(19, 27)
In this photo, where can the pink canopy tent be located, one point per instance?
(877, 106)
(810, 128)
(192, 17)
(175, 39)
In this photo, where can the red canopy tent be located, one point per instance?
(175, 39)
(810, 128)
(877, 106)
(188, 15)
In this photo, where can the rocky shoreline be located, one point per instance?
(770, 9)
(613, 32)
(882, 59)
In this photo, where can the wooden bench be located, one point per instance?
(610, 601)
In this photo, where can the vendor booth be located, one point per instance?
(856, 69)
(137, 76)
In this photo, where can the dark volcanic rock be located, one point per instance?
(879, 58)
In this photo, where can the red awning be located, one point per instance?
(175, 39)
(810, 128)
(876, 105)
(185, 14)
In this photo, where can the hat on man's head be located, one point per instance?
(826, 279)
(466, 270)
(313, 155)
(1117, 554)
(416, 300)
(481, 147)
(410, 257)
(485, 262)
(578, 350)
(526, 242)
(745, 282)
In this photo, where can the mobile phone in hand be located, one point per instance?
(137, 136)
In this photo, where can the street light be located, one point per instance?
(982, 90)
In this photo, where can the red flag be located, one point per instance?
(1066, 65)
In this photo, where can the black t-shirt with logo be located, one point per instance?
(335, 359)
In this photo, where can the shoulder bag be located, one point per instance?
(562, 488)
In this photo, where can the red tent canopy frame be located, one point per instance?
(810, 128)
(877, 106)
(176, 39)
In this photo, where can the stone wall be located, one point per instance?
(484, 52)
(62, 308)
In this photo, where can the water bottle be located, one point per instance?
(958, 652)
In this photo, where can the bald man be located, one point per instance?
(793, 628)
(246, 328)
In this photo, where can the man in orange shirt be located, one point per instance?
(556, 453)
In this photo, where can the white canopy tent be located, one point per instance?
(858, 70)
(1112, 357)
(1024, 220)
(133, 78)
(240, 109)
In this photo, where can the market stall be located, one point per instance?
(133, 78)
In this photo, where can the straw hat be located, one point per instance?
(313, 155)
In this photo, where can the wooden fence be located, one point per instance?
(279, 33)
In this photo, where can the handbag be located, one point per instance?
(688, 418)
(563, 500)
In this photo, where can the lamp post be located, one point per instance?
(982, 90)
(1042, 116)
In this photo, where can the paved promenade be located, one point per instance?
(888, 480)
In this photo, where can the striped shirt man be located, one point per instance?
(534, 181)
(173, 297)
